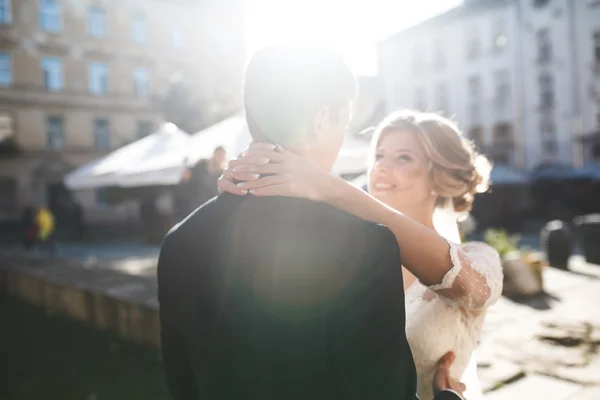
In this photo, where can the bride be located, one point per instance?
(421, 168)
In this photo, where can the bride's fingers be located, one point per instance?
(262, 146)
(273, 190)
(244, 176)
(462, 387)
(262, 182)
(224, 185)
(248, 160)
(260, 169)
(270, 155)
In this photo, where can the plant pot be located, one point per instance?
(537, 263)
(588, 228)
(519, 277)
(557, 243)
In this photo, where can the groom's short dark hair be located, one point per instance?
(287, 83)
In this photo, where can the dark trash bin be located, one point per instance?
(588, 229)
(557, 243)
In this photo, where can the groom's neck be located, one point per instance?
(309, 154)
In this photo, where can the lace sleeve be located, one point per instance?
(475, 280)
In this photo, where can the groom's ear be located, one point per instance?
(321, 126)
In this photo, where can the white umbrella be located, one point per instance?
(110, 170)
(232, 134)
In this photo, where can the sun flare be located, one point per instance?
(352, 27)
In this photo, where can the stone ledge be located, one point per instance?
(105, 299)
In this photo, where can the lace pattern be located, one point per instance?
(475, 279)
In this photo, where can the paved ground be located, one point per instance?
(544, 348)
(548, 347)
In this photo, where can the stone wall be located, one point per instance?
(104, 299)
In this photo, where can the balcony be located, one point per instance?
(39, 96)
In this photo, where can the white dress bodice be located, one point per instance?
(449, 316)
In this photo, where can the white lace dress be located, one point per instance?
(449, 316)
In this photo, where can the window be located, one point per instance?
(5, 69)
(5, 12)
(439, 59)
(547, 126)
(476, 136)
(6, 126)
(475, 112)
(474, 84)
(442, 97)
(50, 15)
(98, 78)
(499, 38)
(596, 152)
(139, 31)
(417, 58)
(9, 199)
(420, 101)
(549, 147)
(503, 133)
(597, 47)
(141, 82)
(144, 128)
(101, 134)
(473, 43)
(544, 45)
(546, 84)
(177, 37)
(53, 73)
(502, 79)
(503, 145)
(96, 22)
(55, 136)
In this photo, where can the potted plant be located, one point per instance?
(522, 269)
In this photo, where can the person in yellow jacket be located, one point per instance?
(45, 226)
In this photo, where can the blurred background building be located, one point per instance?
(79, 78)
(522, 77)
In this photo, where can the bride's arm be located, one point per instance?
(469, 275)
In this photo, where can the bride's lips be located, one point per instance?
(383, 185)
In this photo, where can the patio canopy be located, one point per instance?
(161, 158)
(113, 169)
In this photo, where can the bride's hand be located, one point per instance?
(268, 170)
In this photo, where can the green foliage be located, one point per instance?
(501, 241)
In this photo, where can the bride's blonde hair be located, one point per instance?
(457, 171)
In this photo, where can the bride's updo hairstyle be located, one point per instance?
(457, 171)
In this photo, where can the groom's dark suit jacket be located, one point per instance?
(279, 298)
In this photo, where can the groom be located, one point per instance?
(284, 298)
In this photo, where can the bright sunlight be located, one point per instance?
(354, 27)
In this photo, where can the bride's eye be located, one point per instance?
(404, 157)
(378, 157)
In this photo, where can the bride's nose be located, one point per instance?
(382, 165)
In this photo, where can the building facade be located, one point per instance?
(517, 76)
(79, 78)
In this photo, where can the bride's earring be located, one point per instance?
(433, 193)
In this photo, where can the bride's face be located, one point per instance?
(399, 175)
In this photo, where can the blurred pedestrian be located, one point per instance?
(199, 183)
(45, 228)
(29, 227)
